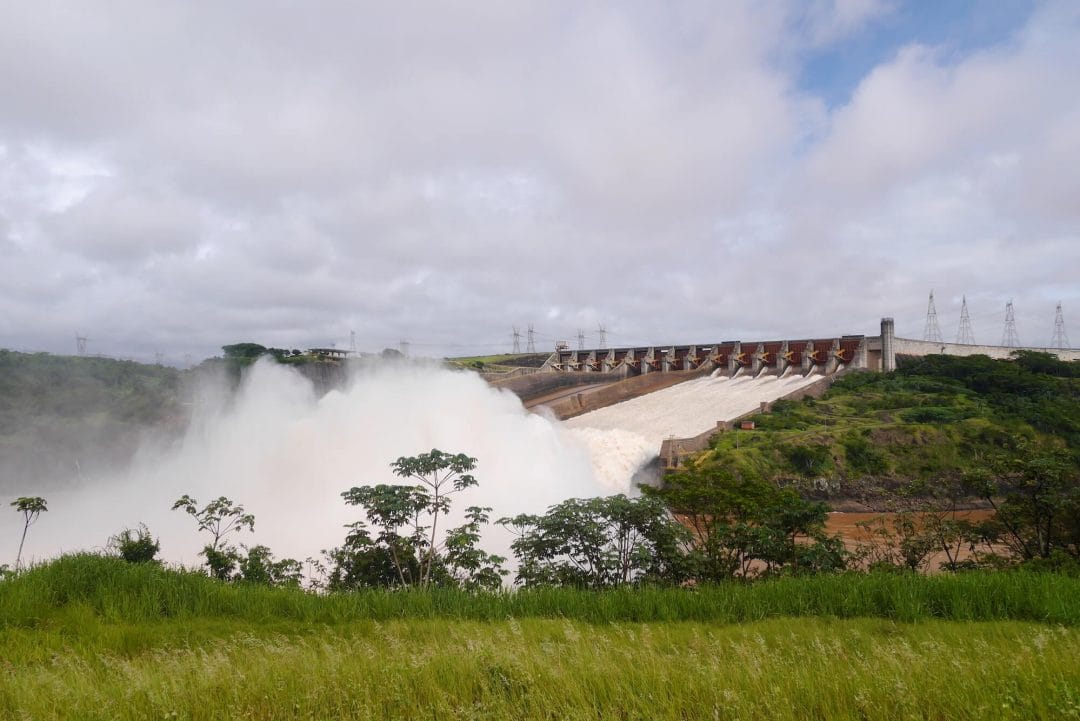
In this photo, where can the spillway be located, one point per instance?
(624, 437)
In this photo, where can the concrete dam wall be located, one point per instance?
(626, 439)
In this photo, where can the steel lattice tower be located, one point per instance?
(530, 347)
(1060, 340)
(581, 339)
(932, 331)
(603, 336)
(517, 341)
(1009, 338)
(965, 335)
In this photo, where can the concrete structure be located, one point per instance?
(883, 350)
(777, 357)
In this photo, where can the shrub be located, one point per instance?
(135, 545)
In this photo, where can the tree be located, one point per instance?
(745, 526)
(259, 567)
(599, 542)
(31, 507)
(219, 518)
(249, 351)
(1035, 491)
(407, 519)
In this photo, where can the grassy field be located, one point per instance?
(87, 637)
(547, 669)
(71, 591)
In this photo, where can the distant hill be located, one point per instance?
(63, 417)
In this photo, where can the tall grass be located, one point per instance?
(110, 590)
(781, 670)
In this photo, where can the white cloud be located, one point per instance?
(178, 176)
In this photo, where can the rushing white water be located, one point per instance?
(287, 455)
(632, 431)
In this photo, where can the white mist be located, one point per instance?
(287, 455)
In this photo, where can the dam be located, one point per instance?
(633, 405)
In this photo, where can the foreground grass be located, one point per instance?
(552, 669)
(65, 592)
(87, 637)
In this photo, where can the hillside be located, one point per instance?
(873, 438)
(62, 417)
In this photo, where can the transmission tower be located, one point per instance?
(965, 335)
(1009, 339)
(404, 347)
(158, 358)
(530, 346)
(1061, 338)
(517, 341)
(603, 336)
(932, 332)
(580, 339)
(352, 341)
(80, 344)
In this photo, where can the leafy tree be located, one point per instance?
(744, 526)
(259, 567)
(407, 522)
(135, 545)
(1035, 491)
(244, 350)
(219, 518)
(471, 567)
(599, 542)
(363, 562)
(31, 507)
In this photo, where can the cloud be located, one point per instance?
(180, 176)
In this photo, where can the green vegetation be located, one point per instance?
(91, 589)
(600, 542)
(499, 363)
(89, 637)
(933, 421)
(62, 417)
(416, 559)
(135, 545)
(31, 507)
(545, 669)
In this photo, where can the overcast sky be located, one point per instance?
(175, 176)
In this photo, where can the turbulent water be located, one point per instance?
(629, 433)
(287, 455)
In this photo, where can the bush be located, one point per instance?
(863, 458)
(135, 545)
(809, 461)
